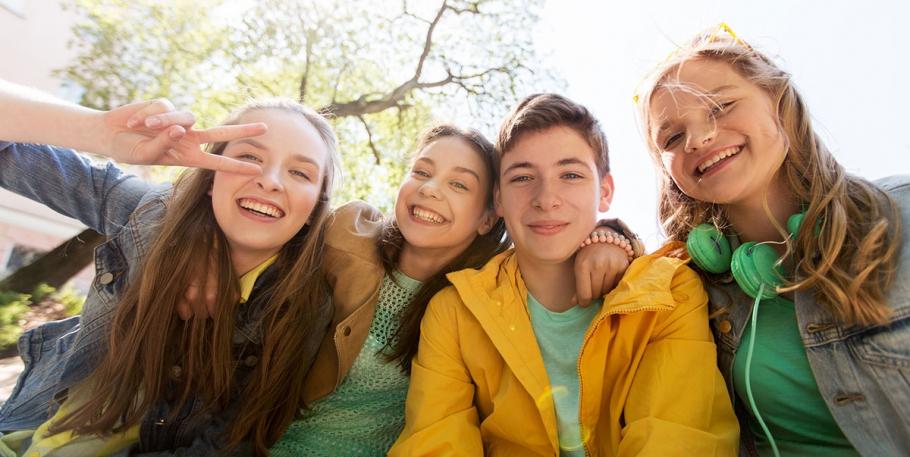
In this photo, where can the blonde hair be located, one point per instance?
(851, 262)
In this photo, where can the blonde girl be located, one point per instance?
(818, 364)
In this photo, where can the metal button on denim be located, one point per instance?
(106, 278)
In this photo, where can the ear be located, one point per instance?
(487, 221)
(497, 201)
(606, 193)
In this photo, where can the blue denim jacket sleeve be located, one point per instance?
(101, 196)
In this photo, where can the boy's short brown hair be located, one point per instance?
(541, 111)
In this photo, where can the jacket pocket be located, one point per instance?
(44, 351)
(887, 346)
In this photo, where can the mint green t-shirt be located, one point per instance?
(784, 388)
(559, 336)
(365, 415)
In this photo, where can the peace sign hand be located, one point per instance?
(155, 133)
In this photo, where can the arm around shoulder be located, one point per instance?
(678, 403)
(441, 418)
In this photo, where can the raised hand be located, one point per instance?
(154, 133)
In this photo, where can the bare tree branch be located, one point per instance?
(394, 98)
(370, 138)
(428, 41)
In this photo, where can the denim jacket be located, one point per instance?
(59, 354)
(863, 373)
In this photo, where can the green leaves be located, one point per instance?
(386, 68)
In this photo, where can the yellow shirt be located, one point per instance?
(66, 443)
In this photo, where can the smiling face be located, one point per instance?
(441, 204)
(259, 214)
(549, 194)
(718, 134)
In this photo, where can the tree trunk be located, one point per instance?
(57, 266)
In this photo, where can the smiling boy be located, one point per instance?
(507, 366)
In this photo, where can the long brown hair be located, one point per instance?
(484, 247)
(148, 338)
(851, 263)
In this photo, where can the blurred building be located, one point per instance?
(33, 42)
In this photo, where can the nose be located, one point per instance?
(270, 179)
(429, 189)
(700, 135)
(546, 198)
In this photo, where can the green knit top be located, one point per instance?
(364, 416)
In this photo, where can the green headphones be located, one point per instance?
(754, 265)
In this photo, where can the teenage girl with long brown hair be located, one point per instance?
(131, 375)
(813, 324)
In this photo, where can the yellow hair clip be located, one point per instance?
(722, 27)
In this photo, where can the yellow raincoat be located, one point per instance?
(649, 382)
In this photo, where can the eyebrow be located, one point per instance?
(252, 143)
(457, 168)
(720, 89)
(717, 90)
(302, 158)
(517, 165)
(296, 157)
(560, 163)
(571, 161)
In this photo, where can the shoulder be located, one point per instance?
(898, 188)
(667, 270)
(671, 262)
(444, 309)
(354, 225)
(896, 185)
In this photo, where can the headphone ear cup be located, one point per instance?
(794, 222)
(756, 264)
(709, 249)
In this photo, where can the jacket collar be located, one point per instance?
(497, 297)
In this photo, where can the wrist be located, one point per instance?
(95, 135)
(620, 227)
(609, 236)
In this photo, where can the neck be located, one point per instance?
(421, 264)
(244, 262)
(752, 223)
(552, 284)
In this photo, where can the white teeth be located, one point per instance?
(261, 208)
(428, 216)
(731, 151)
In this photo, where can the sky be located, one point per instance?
(848, 60)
